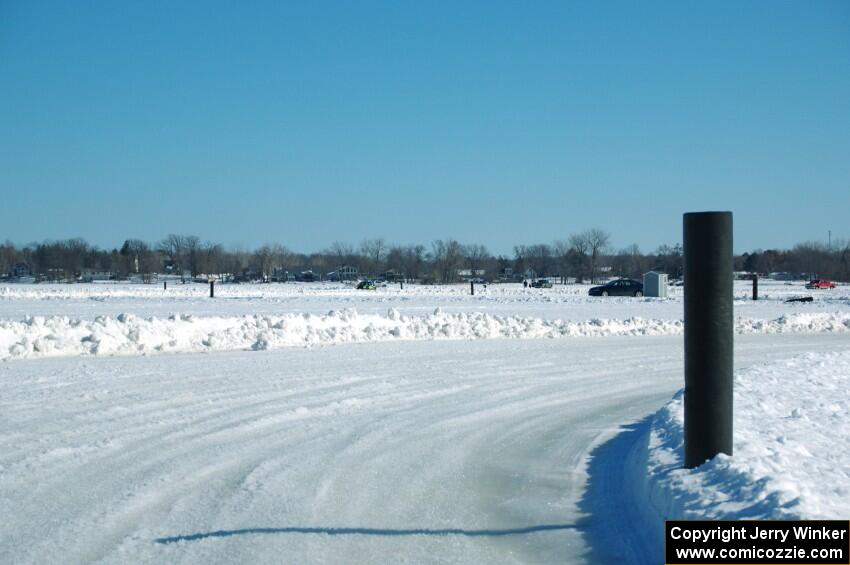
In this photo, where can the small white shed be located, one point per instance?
(655, 284)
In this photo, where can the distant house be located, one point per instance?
(246, 275)
(281, 275)
(344, 273)
(144, 278)
(91, 275)
(393, 276)
(307, 276)
(21, 270)
(506, 274)
(466, 274)
(54, 275)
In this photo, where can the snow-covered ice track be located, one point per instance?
(459, 452)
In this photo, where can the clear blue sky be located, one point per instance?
(490, 122)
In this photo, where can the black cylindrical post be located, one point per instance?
(401, 285)
(472, 288)
(164, 285)
(212, 289)
(708, 335)
(755, 287)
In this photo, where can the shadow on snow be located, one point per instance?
(616, 525)
(368, 532)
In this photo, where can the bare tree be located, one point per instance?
(447, 256)
(137, 257)
(581, 255)
(73, 252)
(579, 247)
(234, 261)
(342, 252)
(539, 258)
(475, 255)
(414, 260)
(8, 258)
(843, 253)
(319, 263)
(628, 262)
(669, 259)
(395, 259)
(813, 258)
(173, 248)
(214, 258)
(281, 257)
(520, 259)
(561, 251)
(598, 242)
(374, 250)
(263, 258)
(194, 254)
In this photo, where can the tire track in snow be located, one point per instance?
(114, 453)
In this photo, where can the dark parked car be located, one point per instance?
(541, 283)
(619, 287)
(366, 285)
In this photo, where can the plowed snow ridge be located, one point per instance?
(127, 334)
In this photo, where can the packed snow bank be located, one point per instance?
(127, 334)
(790, 457)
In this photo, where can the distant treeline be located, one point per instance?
(582, 256)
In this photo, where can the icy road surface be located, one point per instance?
(437, 452)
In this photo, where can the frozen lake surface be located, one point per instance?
(464, 437)
(565, 302)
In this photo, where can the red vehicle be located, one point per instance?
(820, 283)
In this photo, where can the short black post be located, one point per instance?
(708, 335)
(212, 289)
(164, 285)
(472, 288)
(755, 287)
(401, 285)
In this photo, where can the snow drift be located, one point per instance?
(790, 460)
(127, 334)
